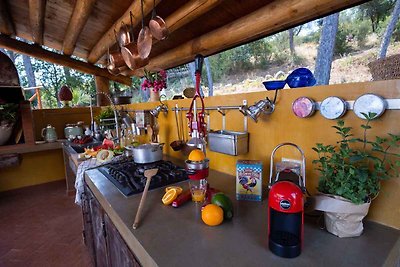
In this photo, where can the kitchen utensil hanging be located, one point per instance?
(157, 25)
(110, 66)
(116, 58)
(197, 126)
(130, 52)
(303, 107)
(229, 142)
(333, 107)
(177, 144)
(144, 41)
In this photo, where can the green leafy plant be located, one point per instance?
(105, 113)
(8, 113)
(354, 168)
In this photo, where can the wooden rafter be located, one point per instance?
(38, 52)
(79, 17)
(6, 22)
(187, 13)
(37, 10)
(273, 17)
(108, 39)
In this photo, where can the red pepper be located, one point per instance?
(184, 197)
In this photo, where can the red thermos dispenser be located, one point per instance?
(286, 208)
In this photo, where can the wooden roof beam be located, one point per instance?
(79, 17)
(273, 17)
(187, 13)
(37, 9)
(38, 52)
(6, 22)
(108, 39)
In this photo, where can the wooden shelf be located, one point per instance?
(29, 148)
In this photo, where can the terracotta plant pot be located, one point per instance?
(154, 96)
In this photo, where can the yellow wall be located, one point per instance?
(284, 126)
(36, 168)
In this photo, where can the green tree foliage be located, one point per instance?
(376, 11)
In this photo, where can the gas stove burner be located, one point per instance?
(128, 176)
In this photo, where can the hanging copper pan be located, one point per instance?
(131, 55)
(116, 58)
(157, 25)
(110, 66)
(124, 35)
(144, 41)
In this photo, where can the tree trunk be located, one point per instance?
(67, 73)
(323, 62)
(389, 30)
(30, 75)
(291, 44)
(209, 77)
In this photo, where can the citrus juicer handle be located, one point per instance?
(302, 178)
(197, 120)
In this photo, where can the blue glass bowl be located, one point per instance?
(301, 77)
(274, 85)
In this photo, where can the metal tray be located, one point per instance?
(228, 142)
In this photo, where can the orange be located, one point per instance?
(178, 189)
(196, 155)
(212, 215)
(169, 196)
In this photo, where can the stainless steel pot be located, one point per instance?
(148, 153)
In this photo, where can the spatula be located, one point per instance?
(148, 174)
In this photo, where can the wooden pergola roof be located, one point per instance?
(85, 28)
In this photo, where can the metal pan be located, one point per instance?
(157, 25)
(131, 55)
(144, 41)
(124, 36)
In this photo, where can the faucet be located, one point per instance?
(112, 106)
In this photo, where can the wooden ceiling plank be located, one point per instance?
(108, 39)
(37, 10)
(273, 17)
(187, 13)
(38, 52)
(6, 22)
(80, 15)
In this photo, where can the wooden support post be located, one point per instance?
(6, 22)
(27, 122)
(102, 86)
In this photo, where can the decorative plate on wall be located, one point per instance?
(333, 107)
(369, 103)
(303, 107)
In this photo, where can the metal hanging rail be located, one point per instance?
(212, 108)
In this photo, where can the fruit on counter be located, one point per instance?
(104, 155)
(196, 155)
(225, 203)
(178, 189)
(209, 194)
(212, 215)
(184, 197)
(86, 139)
(169, 196)
(90, 152)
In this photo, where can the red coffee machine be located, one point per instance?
(286, 207)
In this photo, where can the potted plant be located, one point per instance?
(155, 81)
(350, 175)
(8, 117)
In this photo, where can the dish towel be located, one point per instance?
(80, 175)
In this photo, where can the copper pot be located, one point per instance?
(132, 58)
(124, 36)
(144, 41)
(157, 25)
(116, 59)
(112, 69)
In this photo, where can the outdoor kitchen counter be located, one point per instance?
(170, 236)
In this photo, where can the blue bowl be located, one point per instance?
(274, 85)
(301, 77)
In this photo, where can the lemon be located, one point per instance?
(178, 189)
(196, 155)
(212, 215)
(169, 196)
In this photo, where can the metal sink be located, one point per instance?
(80, 148)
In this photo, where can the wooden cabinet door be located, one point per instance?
(99, 233)
(87, 223)
(119, 253)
